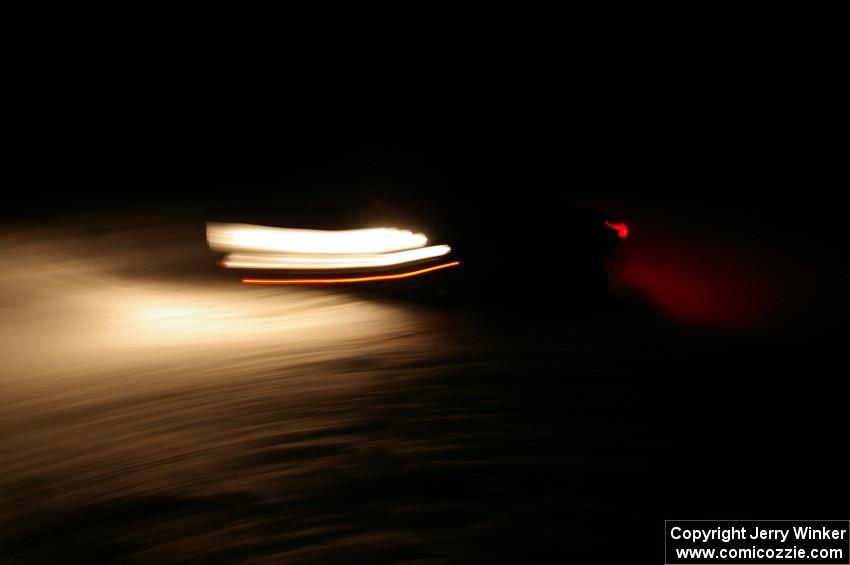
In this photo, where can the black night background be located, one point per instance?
(152, 409)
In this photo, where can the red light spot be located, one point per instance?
(703, 285)
(620, 227)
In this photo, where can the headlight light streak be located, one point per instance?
(322, 262)
(312, 253)
(257, 239)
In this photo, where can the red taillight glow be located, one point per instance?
(620, 227)
(353, 279)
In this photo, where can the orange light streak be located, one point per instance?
(353, 279)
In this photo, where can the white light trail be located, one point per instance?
(319, 262)
(258, 239)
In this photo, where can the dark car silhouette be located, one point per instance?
(478, 247)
